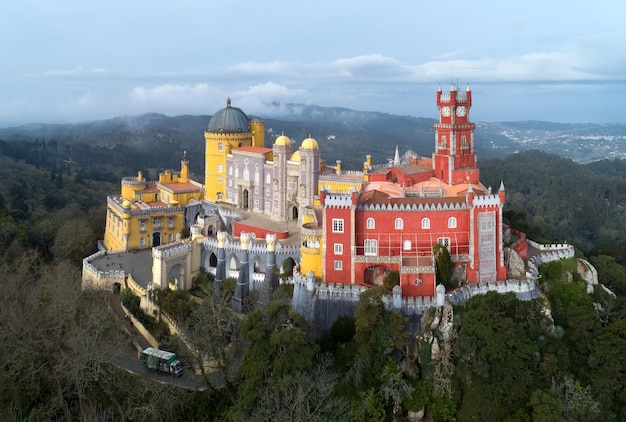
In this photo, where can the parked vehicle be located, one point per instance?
(162, 361)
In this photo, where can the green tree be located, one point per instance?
(444, 266)
(494, 353)
(278, 347)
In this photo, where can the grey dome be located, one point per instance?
(229, 120)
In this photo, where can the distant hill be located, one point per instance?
(343, 134)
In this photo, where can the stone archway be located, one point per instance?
(294, 212)
(176, 277)
(245, 197)
(374, 275)
(213, 260)
(156, 239)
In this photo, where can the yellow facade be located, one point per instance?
(229, 128)
(147, 213)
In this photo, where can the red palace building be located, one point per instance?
(413, 203)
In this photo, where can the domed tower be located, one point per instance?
(228, 128)
(309, 172)
(281, 151)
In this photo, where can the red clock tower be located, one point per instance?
(454, 159)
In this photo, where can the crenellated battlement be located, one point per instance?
(338, 200)
(172, 250)
(486, 201)
(445, 206)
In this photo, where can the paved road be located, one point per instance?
(133, 364)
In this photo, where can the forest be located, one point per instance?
(503, 360)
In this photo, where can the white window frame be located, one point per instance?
(371, 223)
(220, 146)
(337, 225)
(444, 241)
(338, 265)
(338, 248)
(370, 247)
(399, 224)
(452, 223)
(425, 223)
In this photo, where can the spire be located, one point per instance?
(501, 185)
(396, 158)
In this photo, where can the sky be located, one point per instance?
(80, 60)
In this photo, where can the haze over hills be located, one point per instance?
(340, 132)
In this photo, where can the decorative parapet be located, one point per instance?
(378, 259)
(331, 291)
(460, 205)
(417, 270)
(486, 201)
(134, 182)
(135, 287)
(549, 253)
(97, 277)
(338, 200)
(171, 250)
(311, 233)
(527, 288)
(411, 305)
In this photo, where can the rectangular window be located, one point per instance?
(337, 225)
(256, 189)
(371, 247)
(267, 206)
(338, 265)
(170, 223)
(142, 225)
(338, 249)
(256, 204)
(220, 146)
(156, 223)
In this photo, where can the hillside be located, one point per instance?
(339, 131)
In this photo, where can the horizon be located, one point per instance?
(89, 62)
(286, 117)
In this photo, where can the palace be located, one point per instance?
(282, 207)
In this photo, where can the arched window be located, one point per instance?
(452, 223)
(230, 170)
(464, 144)
(371, 247)
(246, 174)
(443, 142)
(425, 223)
(268, 179)
(371, 223)
(399, 225)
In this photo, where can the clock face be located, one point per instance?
(445, 111)
(460, 111)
